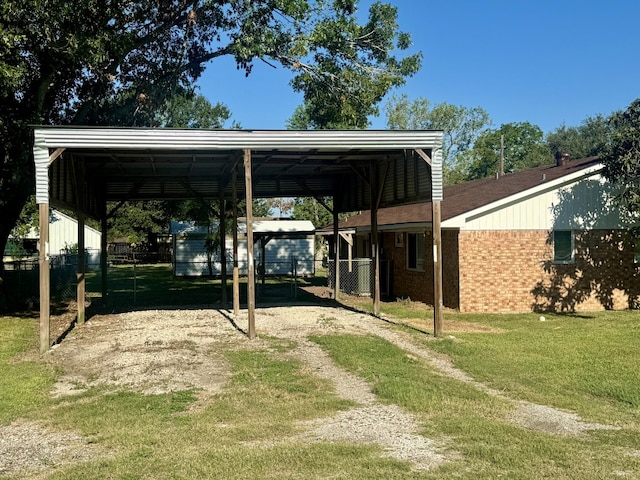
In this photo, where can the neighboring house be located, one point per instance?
(545, 239)
(63, 238)
(278, 244)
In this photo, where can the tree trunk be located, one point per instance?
(16, 177)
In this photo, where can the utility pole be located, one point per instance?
(501, 172)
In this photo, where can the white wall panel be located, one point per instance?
(63, 232)
(587, 204)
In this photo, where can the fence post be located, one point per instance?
(135, 283)
(295, 278)
(336, 253)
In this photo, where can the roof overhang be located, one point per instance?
(114, 164)
(459, 221)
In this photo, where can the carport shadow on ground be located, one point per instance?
(197, 295)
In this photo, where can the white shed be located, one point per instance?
(285, 244)
(63, 237)
(63, 233)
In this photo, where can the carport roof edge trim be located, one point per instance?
(156, 138)
(53, 137)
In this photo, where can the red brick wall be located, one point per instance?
(512, 271)
(498, 269)
(419, 285)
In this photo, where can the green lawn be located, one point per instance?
(588, 364)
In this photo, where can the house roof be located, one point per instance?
(468, 196)
(57, 216)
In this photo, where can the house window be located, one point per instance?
(563, 246)
(415, 251)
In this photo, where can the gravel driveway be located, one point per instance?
(158, 351)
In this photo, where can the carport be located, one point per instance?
(83, 168)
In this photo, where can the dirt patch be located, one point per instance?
(385, 425)
(553, 420)
(150, 351)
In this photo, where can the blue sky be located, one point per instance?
(545, 62)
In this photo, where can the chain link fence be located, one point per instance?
(136, 281)
(142, 280)
(21, 280)
(356, 276)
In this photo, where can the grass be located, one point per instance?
(476, 426)
(156, 285)
(584, 363)
(414, 313)
(24, 384)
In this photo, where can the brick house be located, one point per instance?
(545, 239)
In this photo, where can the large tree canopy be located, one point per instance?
(462, 126)
(621, 157)
(194, 111)
(351, 69)
(116, 62)
(586, 140)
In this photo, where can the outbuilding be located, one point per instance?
(285, 247)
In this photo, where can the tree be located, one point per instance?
(142, 221)
(621, 156)
(523, 148)
(586, 140)
(357, 68)
(461, 126)
(300, 119)
(139, 222)
(312, 210)
(117, 63)
(190, 110)
(29, 218)
(281, 205)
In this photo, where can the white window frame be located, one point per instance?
(420, 250)
(564, 259)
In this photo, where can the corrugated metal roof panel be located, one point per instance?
(132, 164)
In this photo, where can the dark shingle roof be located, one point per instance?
(464, 197)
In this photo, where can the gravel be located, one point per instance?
(158, 351)
(26, 445)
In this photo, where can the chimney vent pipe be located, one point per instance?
(562, 158)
